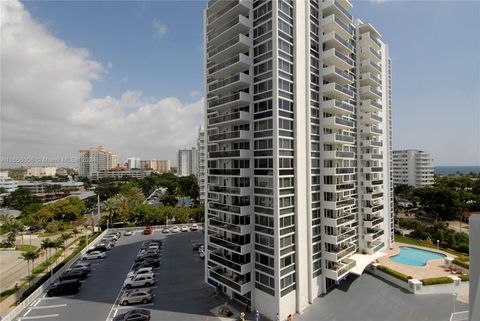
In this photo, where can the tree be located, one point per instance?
(30, 255)
(20, 198)
(64, 237)
(188, 186)
(169, 199)
(47, 245)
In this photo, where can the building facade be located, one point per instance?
(187, 162)
(298, 137)
(412, 167)
(201, 166)
(7, 183)
(41, 171)
(133, 163)
(95, 159)
(159, 166)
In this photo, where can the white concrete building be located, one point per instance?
(201, 166)
(133, 163)
(412, 167)
(187, 162)
(474, 246)
(95, 159)
(8, 183)
(41, 171)
(299, 144)
(159, 166)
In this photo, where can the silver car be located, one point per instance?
(136, 296)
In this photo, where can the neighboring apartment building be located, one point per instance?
(133, 163)
(299, 144)
(412, 167)
(201, 166)
(95, 159)
(159, 166)
(41, 171)
(187, 162)
(117, 173)
(6, 182)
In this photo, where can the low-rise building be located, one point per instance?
(159, 166)
(7, 183)
(412, 167)
(39, 171)
(121, 172)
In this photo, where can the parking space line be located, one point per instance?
(49, 306)
(40, 317)
(56, 297)
(136, 306)
(28, 311)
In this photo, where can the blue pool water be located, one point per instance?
(415, 257)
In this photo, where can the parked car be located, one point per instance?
(112, 236)
(196, 246)
(64, 287)
(139, 281)
(134, 315)
(148, 230)
(128, 233)
(143, 257)
(175, 229)
(194, 227)
(166, 230)
(99, 248)
(184, 228)
(79, 274)
(148, 262)
(95, 255)
(136, 296)
(140, 271)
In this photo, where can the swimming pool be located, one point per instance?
(415, 257)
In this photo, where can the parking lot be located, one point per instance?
(179, 293)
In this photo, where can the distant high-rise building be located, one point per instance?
(95, 159)
(7, 183)
(159, 166)
(41, 171)
(299, 142)
(133, 163)
(187, 162)
(412, 167)
(201, 150)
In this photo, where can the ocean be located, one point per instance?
(445, 170)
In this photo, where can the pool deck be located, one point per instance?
(434, 268)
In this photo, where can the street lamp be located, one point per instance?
(454, 301)
(438, 244)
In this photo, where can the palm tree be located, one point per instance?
(64, 237)
(28, 256)
(47, 245)
(75, 231)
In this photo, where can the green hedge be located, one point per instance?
(464, 277)
(439, 280)
(5, 294)
(461, 263)
(394, 273)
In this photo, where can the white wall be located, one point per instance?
(474, 297)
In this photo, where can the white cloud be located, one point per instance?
(109, 65)
(47, 108)
(159, 29)
(194, 93)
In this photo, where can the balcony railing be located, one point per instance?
(226, 226)
(225, 171)
(227, 44)
(218, 31)
(224, 64)
(224, 82)
(345, 138)
(225, 9)
(224, 207)
(225, 154)
(342, 154)
(344, 90)
(343, 42)
(234, 283)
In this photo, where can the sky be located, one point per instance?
(129, 76)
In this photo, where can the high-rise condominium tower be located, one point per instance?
(187, 162)
(412, 167)
(93, 160)
(201, 150)
(299, 191)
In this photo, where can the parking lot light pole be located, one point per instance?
(454, 301)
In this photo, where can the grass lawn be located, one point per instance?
(26, 247)
(412, 241)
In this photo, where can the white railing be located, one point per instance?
(32, 297)
(459, 316)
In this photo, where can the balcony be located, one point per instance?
(373, 183)
(370, 53)
(230, 171)
(337, 188)
(337, 123)
(370, 79)
(228, 154)
(372, 209)
(232, 244)
(226, 68)
(338, 171)
(232, 262)
(340, 269)
(333, 23)
(236, 44)
(368, 92)
(219, 14)
(373, 197)
(375, 246)
(372, 119)
(334, 40)
(231, 280)
(238, 25)
(341, 220)
(373, 234)
(370, 106)
(369, 66)
(230, 227)
(230, 190)
(367, 27)
(371, 131)
(343, 234)
(240, 210)
(230, 84)
(372, 157)
(239, 99)
(369, 40)
(337, 75)
(231, 136)
(337, 205)
(340, 252)
(372, 221)
(338, 154)
(338, 139)
(337, 107)
(231, 119)
(336, 91)
(339, 8)
(334, 57)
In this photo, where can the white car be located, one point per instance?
(175, 229)
(166, 230)
(184, 228)
(139, 281)
(144, 270)
(128, 233)
(94, 255)
(194, 227)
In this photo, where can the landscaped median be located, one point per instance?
(394, 273)
(438, 280)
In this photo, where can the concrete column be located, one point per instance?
(474, 297)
